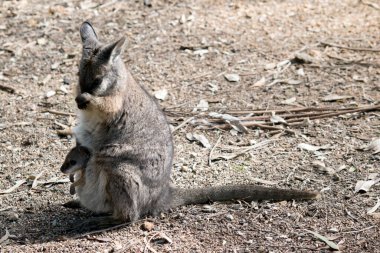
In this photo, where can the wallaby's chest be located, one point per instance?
(89, 129)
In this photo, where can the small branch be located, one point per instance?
(182, 124)
(253, 124)
(258, 145)
(350, 48)
(3, 126)
(212, 151)
(7, 88)
(59, 112)
(373, 5)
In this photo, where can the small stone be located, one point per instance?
(184, 168)
(147, 3)
(12, 216)
(55, 65)
(161, 94)
(63, 89)
(66, 80)
(208, 209)
(148, 226)
(117, 246)
(229, 217)
(232, 77)
(50, 93)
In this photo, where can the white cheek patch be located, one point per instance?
(102, 87)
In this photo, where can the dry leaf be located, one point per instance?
(162, 238)
(293, 81)
(375, 215)
(161, 94)
(277, 119)
(300, 72)
(259, 83)
(55, 180)
(334, 97)
(318, 164)
(35, 178)
(374, 146)
(364, 186)
(270, 66)
(202, 106)
(200, 52)
(305, 58)
(17, 185)
(229, 157)
(55, 66)
(322, 167)
(312, 148)
(223, 116)
(238, 126)
(232, 77)
(5, 237)
(289, 101)
(373, 209)
(200, 138)
(50, 93)
(325, 240)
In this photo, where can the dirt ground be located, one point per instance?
(187, 48)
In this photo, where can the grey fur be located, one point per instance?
(131, 143)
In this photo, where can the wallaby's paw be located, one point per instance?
(71, 177)
(72, 189)
(74, 204)
(83, 100)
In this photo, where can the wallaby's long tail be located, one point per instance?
(236, 192)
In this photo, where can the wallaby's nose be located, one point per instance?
(64, 167)
(81, 101)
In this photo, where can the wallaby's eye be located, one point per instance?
(72, 162)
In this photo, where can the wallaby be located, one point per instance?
(74, 165)
(131, 144)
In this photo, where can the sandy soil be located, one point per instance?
(187, 48)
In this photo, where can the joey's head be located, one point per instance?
(101, 68)
(76, 159)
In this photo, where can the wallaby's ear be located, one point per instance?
(113, 50)
(87, 33)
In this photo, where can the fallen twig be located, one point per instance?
(3, 126)
(293, 117)
(59, 112)
(7, 88)
(13, 188)
(212, 150)
(373, 5)
(258, 145)
(350, 48)
(5, 237)
(182, 124)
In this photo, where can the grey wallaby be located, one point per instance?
(128, 172)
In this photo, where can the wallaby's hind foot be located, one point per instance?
(74, 204)
(97, 224)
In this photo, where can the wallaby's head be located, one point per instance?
(76, 159)
(100, 66)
